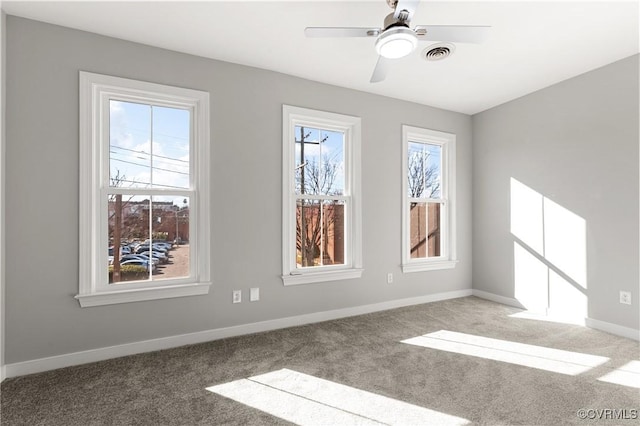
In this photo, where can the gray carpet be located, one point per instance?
(364, 353)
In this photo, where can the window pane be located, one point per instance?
(153, 236)
(332, 238)
(424, 230)
(169, 243)
(129, 134)
(308, 231)
(424, 170)
(171, 134)
(149, 146)
(320, 236)
(332, 167)
(307, 152)
(319, 161)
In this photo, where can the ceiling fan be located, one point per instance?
(397, 40)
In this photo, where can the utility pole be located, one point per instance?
(303, 221)
(175, 239)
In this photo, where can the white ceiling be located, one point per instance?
(532, 44)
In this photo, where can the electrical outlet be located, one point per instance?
(254, 296)
(237, 296)
(625, 297)
(389, 278)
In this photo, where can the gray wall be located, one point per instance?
(43, 319)
(3, 38)
(575, 143)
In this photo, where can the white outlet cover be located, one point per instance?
(625, 297)
(237, 296)
(255, 294)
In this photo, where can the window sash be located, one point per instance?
(154, 101)
(103, 285)
(444, 232)
(346, 234)
(346, 199)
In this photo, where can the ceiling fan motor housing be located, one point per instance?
(396, 42)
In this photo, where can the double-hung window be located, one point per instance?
(321, 196)
(144, 204)
(428, 207)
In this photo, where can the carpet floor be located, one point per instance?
(459, 361)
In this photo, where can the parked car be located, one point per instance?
(139, 262)
(144, 247)
(163, 244)
(137, 257)
(167, 244)
(123, 250)
(156, 255)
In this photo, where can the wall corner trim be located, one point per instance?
(509, 301)
(101, 354)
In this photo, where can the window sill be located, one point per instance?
(432, 265)
(317, 277)
(138, 295)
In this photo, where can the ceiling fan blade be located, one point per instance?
(380, 71)
(453, 33)
(409, 5)
(341, 32)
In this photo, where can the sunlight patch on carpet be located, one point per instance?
(627, 375)
(549, 317)
(308, 400)
(540, 357)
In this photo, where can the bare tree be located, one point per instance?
(315, 219)
(423, 178)
(117, 217)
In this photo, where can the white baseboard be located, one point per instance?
(509, 301)
(618, 330)
(101, 354)
(3, 373)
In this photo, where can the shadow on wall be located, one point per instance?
(549, 256)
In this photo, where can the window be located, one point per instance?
(144, 204)
(321, 190)
(428, 209)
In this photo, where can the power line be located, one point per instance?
(184, 166)
(151, 167)
(146, 153)
(150, 184)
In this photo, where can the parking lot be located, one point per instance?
(178, 265)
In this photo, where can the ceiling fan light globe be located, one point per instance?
(396, 42)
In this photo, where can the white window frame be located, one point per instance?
(351, 127)
(96, 91)
(448, 254)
